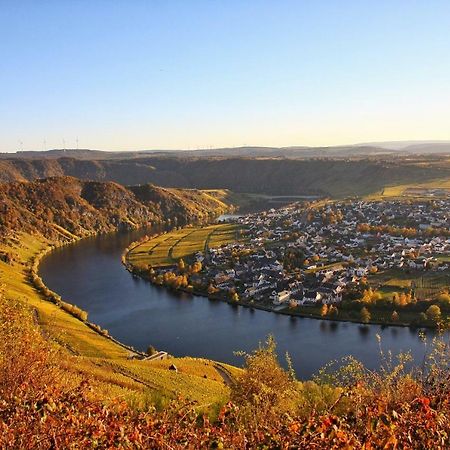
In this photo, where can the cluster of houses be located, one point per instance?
(333, 252)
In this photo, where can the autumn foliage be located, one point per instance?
(344, 408)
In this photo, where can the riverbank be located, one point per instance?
(153, 258)
(86, 352)
(285, 312)
(138, 313)
(65, 305)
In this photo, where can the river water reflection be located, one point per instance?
(90, 275)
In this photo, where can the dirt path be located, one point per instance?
(225, 374)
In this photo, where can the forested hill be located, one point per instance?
(263, 176)
(59, 207)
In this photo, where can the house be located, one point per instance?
(281, 297)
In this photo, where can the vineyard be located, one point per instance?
(167, 249)
(428, 287)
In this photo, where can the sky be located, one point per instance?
(167, 74)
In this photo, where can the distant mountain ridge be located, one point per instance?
(343, 151)
(432, 146)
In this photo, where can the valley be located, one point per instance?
(325, 177)
(60, 258)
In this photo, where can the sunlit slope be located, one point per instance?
(65, 207)
(167, 249)
(93, 356)
(415, 189)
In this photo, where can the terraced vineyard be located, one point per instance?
(167, 249)
(85, 354)
(425, 285)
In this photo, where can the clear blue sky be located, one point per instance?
(186, 74)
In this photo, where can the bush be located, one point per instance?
(433, 313)
(26, 359)
(264, 389)
(75, 311)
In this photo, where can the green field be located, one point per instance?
(426, 285)
(167, 249)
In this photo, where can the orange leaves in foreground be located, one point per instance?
(38, 410)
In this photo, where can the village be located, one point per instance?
(307, 255)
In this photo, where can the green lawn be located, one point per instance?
(167, 249)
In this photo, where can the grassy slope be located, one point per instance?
(167, 249)
(106, 364)
(397, 190)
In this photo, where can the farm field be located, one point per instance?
(167, 249)
(415, 190)
(426, 285)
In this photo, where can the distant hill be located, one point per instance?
(233, 152)
(411, 146)
(329, 177)
(388, 148)
(431, 148)
(85, 154)
(67, 205)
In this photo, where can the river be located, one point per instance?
(89, 274)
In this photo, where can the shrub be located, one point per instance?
(264, 388)
(365, 315)
(433, 313)
(75, 311)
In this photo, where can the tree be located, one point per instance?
(433, 313)
(181, 265)
(264, 388)
(370, 296)
(324, 310)
(365, 315)
(235, 297)
(402, 300)
(211, 289)
(151, 350)
(444, 297)
(333, 311)
(196, 267)
(363, 227)
(394, 316)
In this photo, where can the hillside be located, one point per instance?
(64, 383)
(34, 217)
(64, 205)
(386, 148)
(329, 177)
